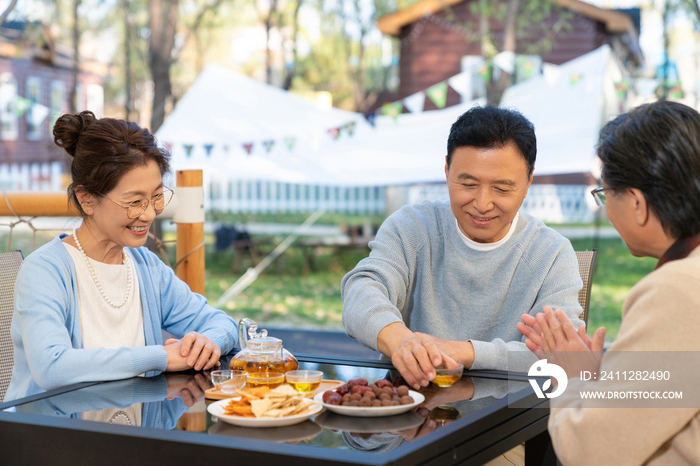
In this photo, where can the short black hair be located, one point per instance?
(489, 127)
(656, 148)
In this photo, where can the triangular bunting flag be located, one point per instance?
(22, 105)
(268, 145)
(393, 109)
(574, 78)
(621, 88)
(225, 147)
(551, 73)
(188, 149)
(370, 118)
(438, 94)
(208, 148)
(462, 83)
(350, 128)
(505, 61)
(415, 103)
(485, 71)
(675, 90)
(37, 114)
(289, 143)
(334, 132)
(525, 66)
(248, 147)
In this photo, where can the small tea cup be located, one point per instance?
(229, 381)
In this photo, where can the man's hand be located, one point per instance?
(194, 350)
(552, 335)
(461, 351)
(414, 355)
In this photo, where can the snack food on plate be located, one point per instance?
(358, 392)
(265, 402)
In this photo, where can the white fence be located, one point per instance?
(273, 196)
(547, 202)
(31, 177)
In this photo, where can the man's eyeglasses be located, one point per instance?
(600, 196)
(136, 208)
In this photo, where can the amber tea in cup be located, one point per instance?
(444, 377)
(229, 381)
(267, 379)
(304, 381)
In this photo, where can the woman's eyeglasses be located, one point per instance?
(600, 196)
(136, 208)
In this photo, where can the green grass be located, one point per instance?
(617, 271)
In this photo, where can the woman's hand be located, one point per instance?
(190, 388)
(551, 335)
(194, 350)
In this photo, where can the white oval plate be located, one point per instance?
(217, 409)
(358, 411)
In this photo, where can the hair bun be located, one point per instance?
(69, 127)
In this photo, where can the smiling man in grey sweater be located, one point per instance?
(450, 280)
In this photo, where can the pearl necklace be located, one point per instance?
(97, 282)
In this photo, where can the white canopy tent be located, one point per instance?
(224, 110)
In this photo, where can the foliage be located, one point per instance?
(536, 20)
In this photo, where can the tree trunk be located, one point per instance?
(494, 90)
(127, 61)
(292, 71)
(76, 57)
(484, 29)
(268, 52)
(163, 15)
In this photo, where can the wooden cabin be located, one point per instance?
(432, 45)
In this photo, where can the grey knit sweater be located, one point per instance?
(421, 272)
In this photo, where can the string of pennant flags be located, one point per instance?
(288, 142)
(522, 66)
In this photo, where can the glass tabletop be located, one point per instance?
(176, 402)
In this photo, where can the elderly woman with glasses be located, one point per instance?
(90, 306)
(651, 192)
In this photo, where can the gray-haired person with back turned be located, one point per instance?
(651, 192)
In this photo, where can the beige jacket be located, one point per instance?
(661, 313)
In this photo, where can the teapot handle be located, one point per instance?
(251, 332)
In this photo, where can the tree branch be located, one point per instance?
(7, 11)
(193, 29)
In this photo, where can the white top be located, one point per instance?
(486, 246)
(103, 326)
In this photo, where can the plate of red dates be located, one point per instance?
(359, 398)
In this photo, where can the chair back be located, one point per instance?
(9, 266)
(586, 267)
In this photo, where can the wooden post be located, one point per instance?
(190, 235)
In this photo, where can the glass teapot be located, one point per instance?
(260, 353)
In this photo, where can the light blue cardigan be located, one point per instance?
(45, 331)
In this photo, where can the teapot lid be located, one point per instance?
(261, 340)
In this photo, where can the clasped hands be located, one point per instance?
(551, 335)
(193, 351)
